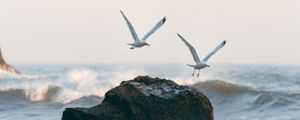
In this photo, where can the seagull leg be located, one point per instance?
(131, 48)
(193, 72)
(198, 73)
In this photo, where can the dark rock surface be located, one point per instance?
(146, 98)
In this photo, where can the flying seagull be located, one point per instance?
(138, 43)
(200, 64)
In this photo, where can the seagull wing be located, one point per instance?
(214, 51)
(132, 31)
(155, 28)
(191, 48)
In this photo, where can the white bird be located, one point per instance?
(138, 43)
(200, 64)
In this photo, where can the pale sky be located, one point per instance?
(93, 31)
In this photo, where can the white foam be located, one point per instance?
(78, 76)
(74, 84)
(159, 90)
(36, 94)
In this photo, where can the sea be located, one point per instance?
(236, 91)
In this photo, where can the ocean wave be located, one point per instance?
(222, 92)
(219, 86)
(80, 83)
(275, 99)
(43, 93)
(48, 94)
(32, 95)
(12, 95)
(74, 84)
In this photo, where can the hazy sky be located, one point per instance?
(93, 31)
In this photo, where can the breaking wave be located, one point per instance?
(224, 94)
(219, 86)
(75, 84)
(44, 93)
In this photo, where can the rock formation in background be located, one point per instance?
(5, 67)
(146, 98)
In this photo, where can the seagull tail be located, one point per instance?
(130, 44)
(190, 65)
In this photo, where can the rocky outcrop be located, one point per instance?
(6, 68)
(146, 98)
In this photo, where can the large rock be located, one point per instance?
(146, 98)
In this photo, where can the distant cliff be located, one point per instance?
(146, 98)
(5, 67)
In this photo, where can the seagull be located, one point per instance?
(138, 43)
(200, 64)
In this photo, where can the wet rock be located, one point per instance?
(146, 98)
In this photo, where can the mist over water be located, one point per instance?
(237, 92)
